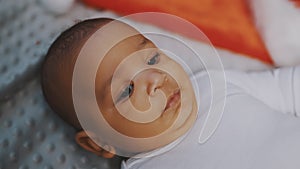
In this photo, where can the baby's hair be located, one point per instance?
(57, 70)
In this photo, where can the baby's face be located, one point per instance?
(141, 92)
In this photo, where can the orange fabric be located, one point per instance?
(227, 23)
(297, 3)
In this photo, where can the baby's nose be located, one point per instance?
(155, 81)
(149, 81)
(146, 84)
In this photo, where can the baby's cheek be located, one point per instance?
(140, 101)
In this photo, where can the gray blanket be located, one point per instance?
(31, 134)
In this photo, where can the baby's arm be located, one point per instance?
(278, 88)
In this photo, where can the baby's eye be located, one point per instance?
(154, 59)
(126, 92)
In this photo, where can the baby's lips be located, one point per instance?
(173, 99)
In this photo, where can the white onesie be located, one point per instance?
(259, 128)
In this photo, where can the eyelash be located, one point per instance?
(154, 58)
(127, 92)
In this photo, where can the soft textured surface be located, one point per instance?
(227, 23)
(26, 32)
(31, 135)
(278, 22)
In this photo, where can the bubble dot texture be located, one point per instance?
(27, 31)
(31, 135)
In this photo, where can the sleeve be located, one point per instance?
(279, 88)
(123, 165)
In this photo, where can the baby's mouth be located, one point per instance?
(173, 100)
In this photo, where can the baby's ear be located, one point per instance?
(87, 143)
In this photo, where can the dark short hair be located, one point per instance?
(57, 69)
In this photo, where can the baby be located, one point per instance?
(149, 101)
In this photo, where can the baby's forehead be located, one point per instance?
(111, 44)
(125, 49)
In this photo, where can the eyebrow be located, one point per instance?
(107, 83)
(143, 42)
